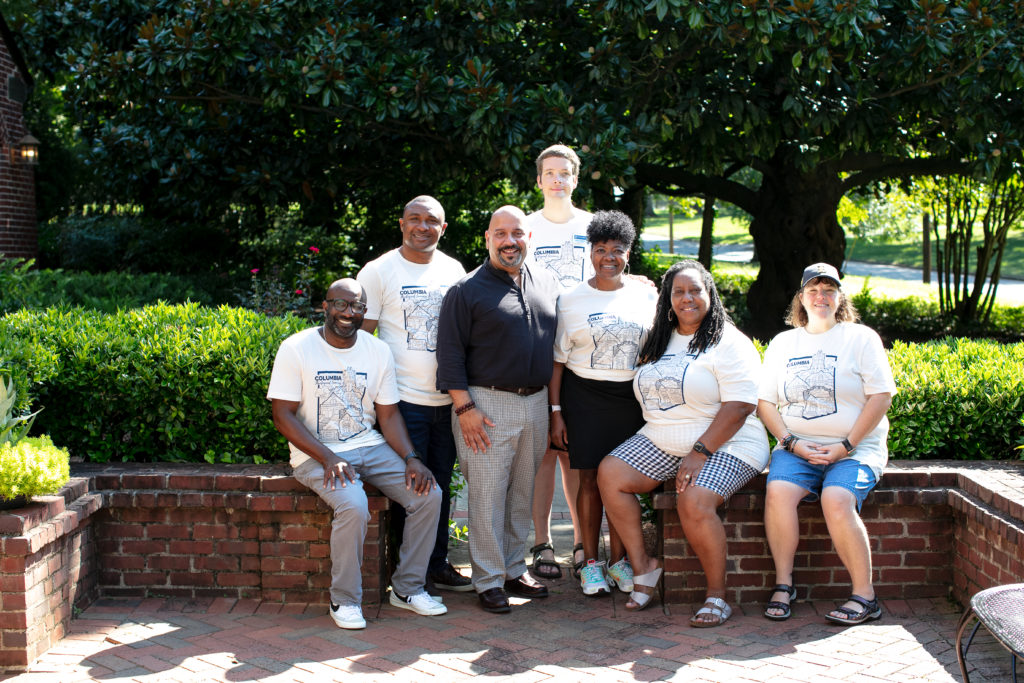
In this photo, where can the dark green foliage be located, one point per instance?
(102, 242)
(174, 383)
(188, 383)
(958, 398)
(23, 287)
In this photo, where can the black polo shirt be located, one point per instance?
(492, 332)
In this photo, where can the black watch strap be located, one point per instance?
(699, 447)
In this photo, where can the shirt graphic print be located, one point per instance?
(339, 404)
(811, 386)
(565, 261)
(421, 308)
(616, 342)
(661, 384)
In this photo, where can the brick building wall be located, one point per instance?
(18, 235)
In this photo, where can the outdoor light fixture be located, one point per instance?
(26, 151)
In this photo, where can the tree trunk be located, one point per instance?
(794, 225)
(707, 225)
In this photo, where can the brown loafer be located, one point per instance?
(525, 586)
(494, 600)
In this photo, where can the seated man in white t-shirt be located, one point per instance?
(329, 385)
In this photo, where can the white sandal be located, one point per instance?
(644, 587)
(719, 608)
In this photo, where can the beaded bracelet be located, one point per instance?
(465, 408)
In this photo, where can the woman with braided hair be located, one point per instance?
(697, 386)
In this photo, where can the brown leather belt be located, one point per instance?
(522, 391)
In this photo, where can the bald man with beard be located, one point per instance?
(329, 385)
(495, 357)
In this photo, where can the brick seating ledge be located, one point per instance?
(937, 528)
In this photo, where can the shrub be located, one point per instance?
(174, 383)
(958, 399)
(32, 467)
(23, 287)
(187, 383)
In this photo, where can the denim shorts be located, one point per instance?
(854, 476)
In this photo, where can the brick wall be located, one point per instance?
(17, 182)
(935, 529)
(47, 567)
(183, 531)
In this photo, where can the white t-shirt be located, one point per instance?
(600, 333)
(681, 394)
(405, 300)
(820, 383)
(336, 388)
(562, 248)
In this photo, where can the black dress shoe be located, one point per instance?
(526, 586)
(494, 600)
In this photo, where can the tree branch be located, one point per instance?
(662, 178)
(876, 167)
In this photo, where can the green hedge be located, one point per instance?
(188, 383)
(21, 286)
(958, 399)
(176, 383)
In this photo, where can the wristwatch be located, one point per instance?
(699, 447)
(412, 454)
(850, 448)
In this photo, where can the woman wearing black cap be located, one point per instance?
(825, 389)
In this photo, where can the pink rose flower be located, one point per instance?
(298, 291)
(254, 271)
(314, 250)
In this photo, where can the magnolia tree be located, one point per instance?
(203, 106)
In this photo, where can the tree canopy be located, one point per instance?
(197, 107)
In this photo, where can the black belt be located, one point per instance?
(522, 391)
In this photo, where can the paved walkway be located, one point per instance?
(1009, 292)
(564, 638)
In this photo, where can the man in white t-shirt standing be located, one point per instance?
(558, 239)
(404, 289)
(329, 385)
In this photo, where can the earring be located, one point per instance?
(671, 316)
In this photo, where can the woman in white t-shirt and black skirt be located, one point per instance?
(826, 387)
(697, 387)
(602, 323)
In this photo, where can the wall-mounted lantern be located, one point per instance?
(25, 151)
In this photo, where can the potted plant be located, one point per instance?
(29, 466)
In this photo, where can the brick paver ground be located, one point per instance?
(566, 638)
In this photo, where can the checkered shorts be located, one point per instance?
(723, 473)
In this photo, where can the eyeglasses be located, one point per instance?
(342, 305)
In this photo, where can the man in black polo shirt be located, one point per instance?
(494, 355)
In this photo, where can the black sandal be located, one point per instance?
(553, 570)
(787, 610)
(869, 610)
(577, 566)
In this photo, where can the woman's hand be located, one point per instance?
(827, 454)
(559, 436)
(689, 467)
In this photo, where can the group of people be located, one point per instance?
(550, 354)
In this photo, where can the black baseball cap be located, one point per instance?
(820, 270)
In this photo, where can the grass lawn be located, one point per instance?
(732, 231)
(729, 231)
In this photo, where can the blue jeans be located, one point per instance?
(430, 428)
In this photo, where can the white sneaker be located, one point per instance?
(421, 603)
(621, 574)
(592, 579)
(347, 616)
